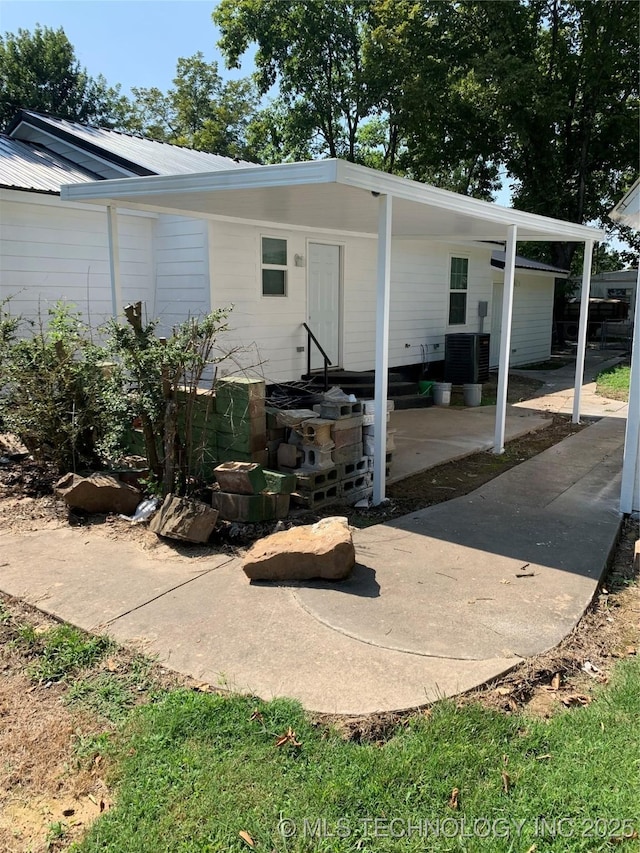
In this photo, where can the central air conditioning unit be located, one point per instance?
(466, 358)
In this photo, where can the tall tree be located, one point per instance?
(312, 51)
(568, 94)
(39, 71)
(200, 111)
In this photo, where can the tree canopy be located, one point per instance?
(460, 93)
(199, 111)
(39, 71)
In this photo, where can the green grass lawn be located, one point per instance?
(614, 382)
(192, 771)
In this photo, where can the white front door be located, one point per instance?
(325, 319)
(496, 324)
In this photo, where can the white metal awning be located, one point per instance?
(336, 196)
(327, 194)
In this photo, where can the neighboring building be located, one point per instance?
(276, 276)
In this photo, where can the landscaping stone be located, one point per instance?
(98, 493)
(240, 478)
(184, 519)
(12, 447)
(322, 550)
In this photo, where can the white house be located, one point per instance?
(380, 268)
(276, 275)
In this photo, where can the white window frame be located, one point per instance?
(282, 267)
(451, 290)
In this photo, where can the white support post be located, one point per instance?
(383, 293)
(582, 329)
(505, 338)
(631, 464)
(114, 261)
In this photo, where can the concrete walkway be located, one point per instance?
(556, 394)
(441, 600)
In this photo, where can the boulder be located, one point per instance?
(184, 519)
(322, 550)
(98, 493)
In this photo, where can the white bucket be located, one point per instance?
(472, 394)
(442, 393)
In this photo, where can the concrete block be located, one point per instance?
(234, 456)
(336, 410)
(294, 417)
(245, 443)
(317, 432)
(240, 387)
(346, 424)
(261, 457)
(320, 497)
(289, 456)
(315, 458)
(369, 406)
(350, 453)
(388, 460)
(344, 437)
(368, 442)
(240, 478)
(357, 495)
(311, 481)
(249, 508)
(350, 469)
(241, 409)
(279, 483)
(356, 483)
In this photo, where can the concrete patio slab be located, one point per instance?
(428, 437)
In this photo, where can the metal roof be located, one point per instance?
(497, 260)
(26, 167)
(159, 158)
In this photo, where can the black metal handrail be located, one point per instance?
(327, 360)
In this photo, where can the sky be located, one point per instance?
(131, 42)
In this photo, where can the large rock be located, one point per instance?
(98, 493)
(184, 519)
(323, 550)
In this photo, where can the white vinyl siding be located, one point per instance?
(181, 270)
(52, 251)
(532, 318)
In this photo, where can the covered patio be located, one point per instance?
(334, 196)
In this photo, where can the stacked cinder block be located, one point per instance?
(248, 493)
(241, 420)
(369, 430)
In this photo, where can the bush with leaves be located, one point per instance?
(167, 376)
(57, 396)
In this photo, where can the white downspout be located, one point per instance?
(630, 474)
(114, 261)
(383, 294)
(582, 329)
(505, 338)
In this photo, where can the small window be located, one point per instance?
(458, 278)
(274, 267)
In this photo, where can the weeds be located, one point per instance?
(60, 651)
